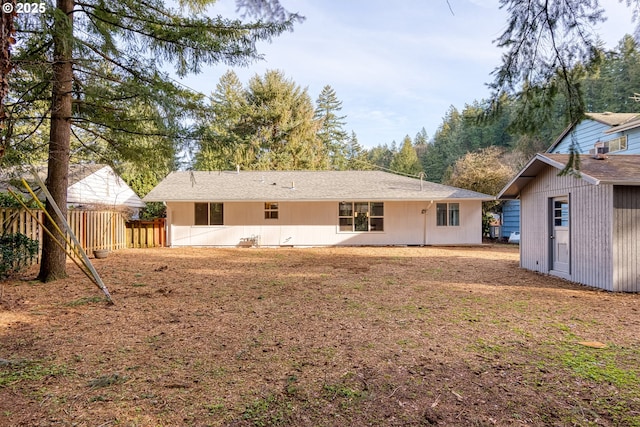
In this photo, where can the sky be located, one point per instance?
(397, 67)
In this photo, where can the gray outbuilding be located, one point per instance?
(584, 227)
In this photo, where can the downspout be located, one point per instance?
(168, 223)
(424, 230)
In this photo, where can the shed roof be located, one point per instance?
(616, 169)
(301, 186)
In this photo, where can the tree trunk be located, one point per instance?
(7, 31)
(53, 265)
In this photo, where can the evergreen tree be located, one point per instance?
(381, 156)
(355, 154)
(220, 147)
(544, 42)
(550, 45)
(446, 147)
(331, 133)
(406, 159)
(89, 62)
(279, 131)
(612, 85)
(421, 144)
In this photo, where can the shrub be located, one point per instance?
(16, 253)
(9, 201)
(153, 210)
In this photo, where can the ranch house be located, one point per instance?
(315, 208)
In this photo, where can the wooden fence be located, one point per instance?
(146, 234)
(94, 229)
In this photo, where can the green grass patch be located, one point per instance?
(342, 390)
(600, 365)
(215, 408)
(347, 388)
(268, 411)
(486, 347)
(16, 372)
(107, 380)
(85, 301)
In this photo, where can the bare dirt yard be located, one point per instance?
(317, 337)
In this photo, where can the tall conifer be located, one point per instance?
(98, 67)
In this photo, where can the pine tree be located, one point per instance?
(446, 147)
(331, 133)
(355, 154)
(613, 84)
(220, 147)
(279, 131)
(406, 159)
(91, 61)
(381, 156)
(549, 47)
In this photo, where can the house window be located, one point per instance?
(345, 213)
(448, 214)
(209, 214)
(611, 146)
(618, 144)
(361, 216)
(271, 210)
(561, 213)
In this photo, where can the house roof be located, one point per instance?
(628, 125)
(82, 189)
(12, 176)
(301, 186)
(617, 122)
(612, 119)
(621, 169)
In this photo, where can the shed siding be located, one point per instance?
(590, 227)
(591, 238)
(316, 224)
(626, 232)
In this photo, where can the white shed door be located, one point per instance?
(560, 235)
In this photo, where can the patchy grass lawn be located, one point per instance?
(317, 337)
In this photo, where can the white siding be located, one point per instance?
(590, 227)
(103, 187)
(316, 224)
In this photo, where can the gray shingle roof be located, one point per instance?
(616, 169)
(301, 186)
